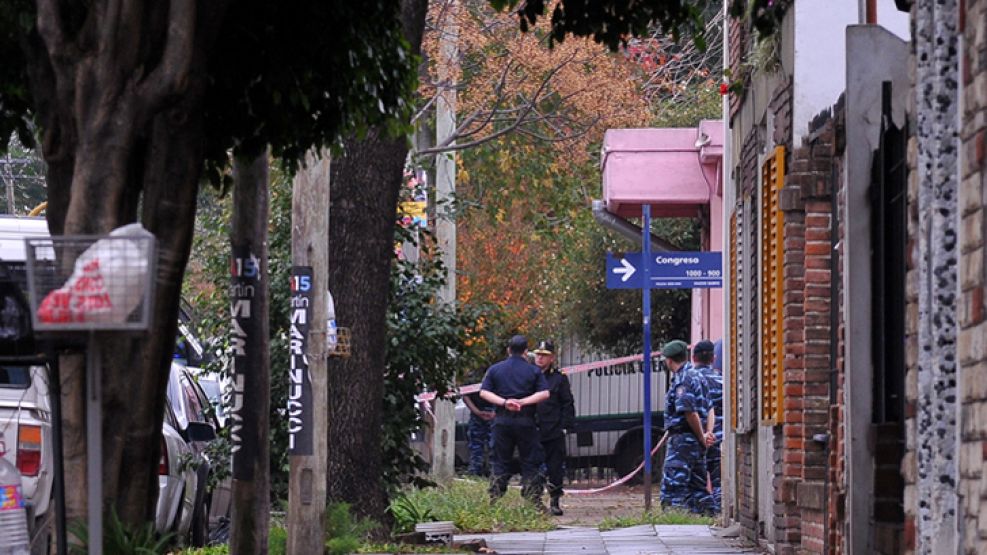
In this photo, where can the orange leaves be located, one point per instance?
(569, 94)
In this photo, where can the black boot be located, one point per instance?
(556, 510)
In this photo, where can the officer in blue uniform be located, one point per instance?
(555, 416)
(703, 357)
(514, 386)
(683, 482)
(479, 433)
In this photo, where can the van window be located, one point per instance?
(15, 376)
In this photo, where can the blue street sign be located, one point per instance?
(668, 270)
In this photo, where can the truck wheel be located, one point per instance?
(630, 454)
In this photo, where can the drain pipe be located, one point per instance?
(627, 229)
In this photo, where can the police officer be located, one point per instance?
(703, 357)
(514, 387)
(683, 483)
(478, 432)
(555, 416)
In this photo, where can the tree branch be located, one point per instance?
(171, 74)
(50, 28)
(526, 109)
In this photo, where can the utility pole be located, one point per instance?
(308, 388)
(251, 363)
(443, 444)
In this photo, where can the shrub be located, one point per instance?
(118, 538)
(466, 503)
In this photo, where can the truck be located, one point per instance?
(25, 409)
(609, 430)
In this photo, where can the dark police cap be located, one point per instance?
(674, 349)
(545, 348)
(518, 343)
(704, 346)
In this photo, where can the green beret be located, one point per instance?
(675, 349)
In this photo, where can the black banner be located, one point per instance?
(244, 350)
(300, 383)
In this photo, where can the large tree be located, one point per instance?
(134, 101)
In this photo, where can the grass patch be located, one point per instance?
(670, 516)
(405, 548)
(466, 503)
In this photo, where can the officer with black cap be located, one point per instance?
(514, 387)
(555, 416)
(683, 482)
(703, 358)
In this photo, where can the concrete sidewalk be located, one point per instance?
(636, 540)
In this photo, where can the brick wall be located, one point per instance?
(806, 501)
(972, 351)
(739, 42)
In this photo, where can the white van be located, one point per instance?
(13, 231)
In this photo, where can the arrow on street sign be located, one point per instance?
(626, 268)
(666, 270)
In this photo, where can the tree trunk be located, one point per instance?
(252, 362)
(365, 184)
(119, 136)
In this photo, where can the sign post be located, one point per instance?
(664, 270)
(646, 311)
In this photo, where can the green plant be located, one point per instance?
(277, 540)
(659, 516)
(466, 503)
(407, 513)
(405, 548)
(223, 549)
(344, 534)
(119, 539)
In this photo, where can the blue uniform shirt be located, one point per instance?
(714, 386)
(514, 378)
(686, 394)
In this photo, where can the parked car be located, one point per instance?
(177, 481)
(25, 429)
(185, 505)
(193, 409)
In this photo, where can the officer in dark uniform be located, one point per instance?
(555, 416)
(703, 355)
(514, 386)
(683, 482)
(478, 432)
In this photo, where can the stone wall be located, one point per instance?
(934, 346)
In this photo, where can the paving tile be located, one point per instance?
(636, 540)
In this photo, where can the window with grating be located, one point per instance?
(735, 285)
(746, 364)
(772, 255)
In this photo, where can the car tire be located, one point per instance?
(41, 537)
(199, 533)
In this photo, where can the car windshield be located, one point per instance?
(18, 377)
